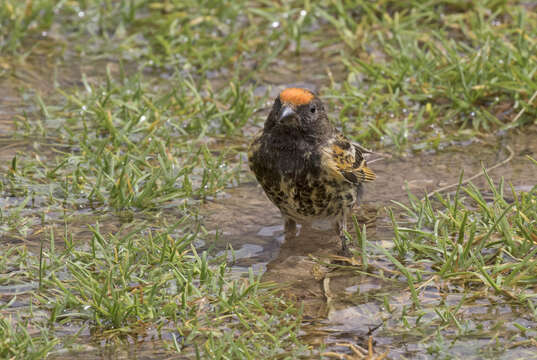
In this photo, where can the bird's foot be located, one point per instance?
(341, 230)
(290, 228)
(344, 251)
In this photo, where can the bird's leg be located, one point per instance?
(290, 227)
(341, 228)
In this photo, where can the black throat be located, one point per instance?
(290, 153)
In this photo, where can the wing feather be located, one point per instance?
(346, 160)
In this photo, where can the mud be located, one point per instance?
(339, 304)
(344, 305)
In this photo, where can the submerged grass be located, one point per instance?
(17, 342)
(127, 151)
(145, 115)
(475, 246)
(476, 238)
(146, 284)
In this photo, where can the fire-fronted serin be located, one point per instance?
(307, 168)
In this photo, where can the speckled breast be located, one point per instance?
(307, 197)
(297, 183)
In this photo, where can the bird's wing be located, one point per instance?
(345, 160)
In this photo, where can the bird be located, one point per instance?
(306, 167)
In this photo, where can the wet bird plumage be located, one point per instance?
(307, 169)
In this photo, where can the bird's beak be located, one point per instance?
(286, 113)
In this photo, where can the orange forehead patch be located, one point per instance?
(296, 96)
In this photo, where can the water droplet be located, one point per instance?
(472, 114)
(143, 118)
(405, 111)
(275, 24)
(81, 14)
(84, 108)
(303, 12)
(500, 61)
(392, 115)
(496, 99)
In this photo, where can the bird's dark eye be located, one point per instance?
(313, 109)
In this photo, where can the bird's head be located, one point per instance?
(297, 109)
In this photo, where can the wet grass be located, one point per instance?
(141, 111)
(417, 71)
(455, 250)
(148, 284)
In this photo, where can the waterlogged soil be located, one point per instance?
(340, 306)
(343, 305)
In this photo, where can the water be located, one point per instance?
(347, 306)
(339, 305)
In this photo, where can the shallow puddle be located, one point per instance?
(340, 304)
(347, 306)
